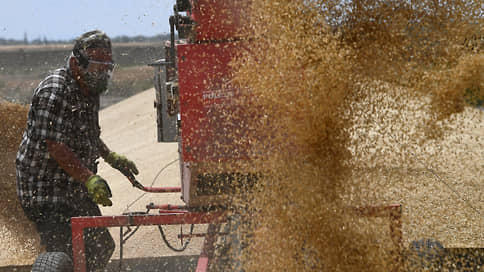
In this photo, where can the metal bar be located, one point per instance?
(162, 189)
(207, 250)
(200, 235)
(172, 41)
(202, 264)
(172, 211)
(166, 207)
(397, 235)
(160, 62)
(121, 242)
(78, 224)
(78, 247)
(140, 186)
(394, 212)
(182, 236)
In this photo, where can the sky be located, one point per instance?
(67, 19)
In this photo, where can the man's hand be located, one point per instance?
(121, 163)
(99, 190)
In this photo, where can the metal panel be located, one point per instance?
(166, 117)
(212, 125)
(219, 20)
(78, 224)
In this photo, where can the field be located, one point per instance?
(22, 68)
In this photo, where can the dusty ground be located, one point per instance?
(129, 128)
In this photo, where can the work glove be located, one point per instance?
(121, 163)
(98, 190)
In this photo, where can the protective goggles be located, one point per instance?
(107, 66)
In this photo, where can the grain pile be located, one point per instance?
(362, 103)
(19, 241)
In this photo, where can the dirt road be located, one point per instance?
(129, 128)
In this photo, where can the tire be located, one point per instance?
(53, 262)
(426, 254)
(229, 247)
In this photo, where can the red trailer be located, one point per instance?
(192, 83)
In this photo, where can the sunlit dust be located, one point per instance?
(361, 103)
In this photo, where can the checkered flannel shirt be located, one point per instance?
(61, 113)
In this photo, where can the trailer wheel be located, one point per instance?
(53, 262)
(229, 247)
(426, 254)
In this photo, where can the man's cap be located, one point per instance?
(92, 39)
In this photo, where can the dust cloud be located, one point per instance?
(19, 240)
(360, 103)
(357, 103)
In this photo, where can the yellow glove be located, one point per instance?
(121, 163)
(99, 190)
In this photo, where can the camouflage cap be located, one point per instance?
(91, 39)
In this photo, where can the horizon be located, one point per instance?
(37, 41)
(64, 21)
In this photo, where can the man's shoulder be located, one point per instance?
(57, 80)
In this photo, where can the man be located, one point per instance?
(57, 158)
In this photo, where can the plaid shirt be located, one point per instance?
(61, 113)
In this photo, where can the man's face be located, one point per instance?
(99, 70)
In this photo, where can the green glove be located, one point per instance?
(121, 163)
(98, 190)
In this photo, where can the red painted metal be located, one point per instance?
(208, 249)
(162, 189)
(166, 207)
(394, 213)
(212, 125)
(78, 224)
(202, 264)
(219, 20)
(140, 186)
(182, 236)
(172, 211)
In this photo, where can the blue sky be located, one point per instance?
(67, 19)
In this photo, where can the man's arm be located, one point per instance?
(103, 149)
(96, 186)
(68, 161)
(116, 161)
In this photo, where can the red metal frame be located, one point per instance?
(78, 224)
(210, 119)
(177, 216)
(217, 20)
(162, 189)
(207, 250)
(394, 212)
